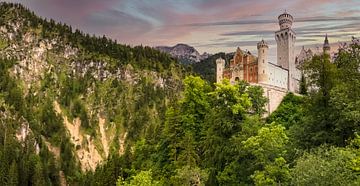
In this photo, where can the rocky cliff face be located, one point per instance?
(185, 53)
(100, 102)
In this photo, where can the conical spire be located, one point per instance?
(326, 46)
(326, 42)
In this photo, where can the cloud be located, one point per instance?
(248, 32)
(212, 24)
(271, 21)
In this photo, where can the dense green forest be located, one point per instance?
(216, 135)
(183, 131)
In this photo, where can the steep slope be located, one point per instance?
(85, 96)
(185, 53)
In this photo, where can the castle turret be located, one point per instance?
(285, 20)
(220, 65)
(285, 39)
(326, 46)
(262, 62)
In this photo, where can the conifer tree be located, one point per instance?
(13, 178)
(38, 177)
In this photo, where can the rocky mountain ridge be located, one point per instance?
(185, 53)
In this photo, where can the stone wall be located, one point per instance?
(275, 96)
(277, 76)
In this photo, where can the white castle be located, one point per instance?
(276, 78)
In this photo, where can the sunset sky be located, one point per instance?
(208, 25)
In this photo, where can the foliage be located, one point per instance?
(143, 178)
(189, 176)
(258, 101)
(289, 112)
(330, 95)
(303, 89)
(324, 166)
(268, 147)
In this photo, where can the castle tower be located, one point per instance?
(326, 46)
(220, 65)
(263, 71)
(285, 39)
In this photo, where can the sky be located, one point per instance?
(209, 25)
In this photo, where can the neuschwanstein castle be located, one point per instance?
(276, 78)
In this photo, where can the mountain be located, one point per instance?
(185, 53)
(70, 100)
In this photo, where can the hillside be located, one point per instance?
(206, 68)
(78, 96)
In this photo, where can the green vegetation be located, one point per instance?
(214, 135)
(179, 131)
(3, 44)
(22, 163)
(207, 67)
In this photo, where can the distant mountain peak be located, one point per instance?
(184, 52)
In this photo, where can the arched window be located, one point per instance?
(263, 60)
(237, 79)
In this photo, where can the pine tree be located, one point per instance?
(38, 177)
(13, 178)
(303, 87)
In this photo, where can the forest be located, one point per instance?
(217, 135)
(195, 133)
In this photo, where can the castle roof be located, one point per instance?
(326, 42)
(261, 44)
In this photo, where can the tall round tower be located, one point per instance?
(285, 39)
(263, 72)
(220, 65)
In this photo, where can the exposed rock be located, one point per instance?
(185, 53)
(87, 154)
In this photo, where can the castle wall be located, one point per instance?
(250, 72)
(236, 74)
(277, 76)
(275, 96)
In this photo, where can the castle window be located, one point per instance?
(263, 71)
(263, 60)
(263, 50)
